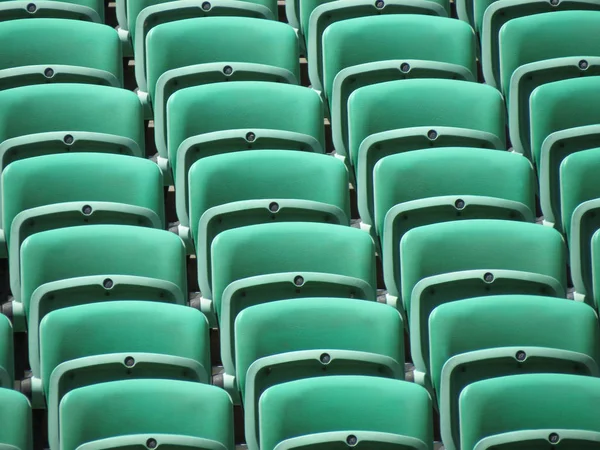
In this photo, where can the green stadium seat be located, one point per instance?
(289, 340)
(242, 115)
(595, 249)
(15, 416)
(86, 10)
(236, 190)
(446, 113)
(64, 190)
(98, 343)
(540, 49)
(551, 411)
(405, 46)
(318, 15)
(7, 369)
(450, 261)
(443, 184)
(57, 118)
(487, 337)
(560, 127)
(338, 412)
(491, 15)
(147, 413)
(104, 263)
(247, 49)
(59, 51)
(261, 263)
(580, 203)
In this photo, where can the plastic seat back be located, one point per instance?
(103, 263)
(487, 337)
(579, 197)
(7, 367)
(57, 118)
(399, 116)
(338, 411)
(244, 115)
(59, 51)
(15, 415)
(133, 340)
(86, 10)
(450, 261)
(246, 49)
(288, 340)
(405, 46)
(422, 187)
(236, 190)
(559, 127)
(551, 408)
(318, 15)
(172, 413)
(539, 49)
(63, 190)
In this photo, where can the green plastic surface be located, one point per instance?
(280, 116)
(98, 264)
(354, 56)
(236, 190)
(475, 339)
(247, 49)
(311, 337)
(560, 127)
(445, 184)
(540, 49)
(404, 115)
(450, 261)
(324, 13)
(15, 416)
(350, 404)
(7, 368)
(42, 119)
(53, 191)
(128, 413)
(59, 51)
(546, 404)
(491, 15)
(87, 10)
(579, 195)
(151, 13)
(595, 249)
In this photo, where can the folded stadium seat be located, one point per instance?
(236, 190)
(242, 115)
(59, 51)
(7, 371)
(346, 411)
(288, 340)
(261, 263)
(87, 10)
(550, 411)
(487, 337)
(143, 15)
(539, 49)
(560, 127)
(450, 261)
(247, 49)
(443, 184)
(15, 416)
(580, 206)
(147, 413)
(404, 46)
(446, 113)
(491, 15)
(58, 118)
(55, 191)
(318, 15)
(95, 343)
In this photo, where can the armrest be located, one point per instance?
(47, 9)
(176, 79)
(39, 74)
